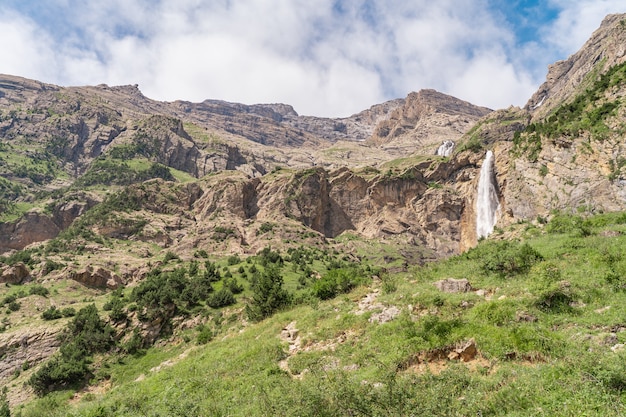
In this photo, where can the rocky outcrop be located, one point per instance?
(27, 348)
(14, 274)
(451, 285)
(566, 79)
(36, 226)
(427, 118)
(32, 227)
(96, 276)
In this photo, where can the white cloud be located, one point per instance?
(578, 20)
(25, 48)
(324, 57)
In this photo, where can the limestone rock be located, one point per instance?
(465, 352)
(32, 345)
(96, 276)
(452, 285)
(14, 274)
(565, 78)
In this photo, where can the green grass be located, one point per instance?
(535, 358)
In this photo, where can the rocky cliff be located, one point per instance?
(372, 173)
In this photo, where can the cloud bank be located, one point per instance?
(328, 57)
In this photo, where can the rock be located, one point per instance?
(290, 332)
(610, 339)
(388, 314)
(14, 274)
(465, 352)
(97, 277)
(33, 346)
(451, 285)
(527, 317)
(603, 309)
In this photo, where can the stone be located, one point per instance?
(451, 285)
(388, 314)
(465, 352)
(14, 274)
(97, 277)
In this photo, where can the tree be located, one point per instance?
(5, 411)
(268, 294)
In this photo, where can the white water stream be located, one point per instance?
(445, 149)
(487, 203)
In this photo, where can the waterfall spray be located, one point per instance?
(445, 149)
(487, 203)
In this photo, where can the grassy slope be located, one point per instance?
(560, 364)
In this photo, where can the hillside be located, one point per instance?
(149, 244)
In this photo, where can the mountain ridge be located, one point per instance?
(104, 189)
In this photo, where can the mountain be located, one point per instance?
(61, 144)
(177, 218)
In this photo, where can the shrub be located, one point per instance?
(504, 258)
(169, 256)
(38, 290)
(85, 335)
(204, 335)
(267, 256)
(568, 223)
(52, 313)
(5, 411)
(234, 260)
(233, 286)
(221, 298)
(268, 294)
(335, 282)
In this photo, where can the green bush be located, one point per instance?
(504, 258)
(204, 335)
(38, 290)
(234, 260)
(85, 335)
(268, 294)
(221, 298)
(568, 223)
(52, 313)
(336, 281)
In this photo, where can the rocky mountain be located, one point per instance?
(101, 186)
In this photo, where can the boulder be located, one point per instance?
(14, 274)
(464, 352)
(452, 285)
(97, 277)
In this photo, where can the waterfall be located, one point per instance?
(487, 203)
(445, 149)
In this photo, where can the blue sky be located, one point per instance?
(326, 58)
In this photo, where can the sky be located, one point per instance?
(328, 58)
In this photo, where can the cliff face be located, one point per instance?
(428, 118)
(373, 173)
(605, 48)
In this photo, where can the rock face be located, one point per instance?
(27, 346)
(427, 117)
(96, 277)
(36, 226)
(565, 79)
(14, 274)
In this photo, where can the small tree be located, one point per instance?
(268, 294)
(5, 411)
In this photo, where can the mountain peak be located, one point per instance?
(605, 49)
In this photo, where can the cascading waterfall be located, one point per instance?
(445, 149)
(487, 202)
